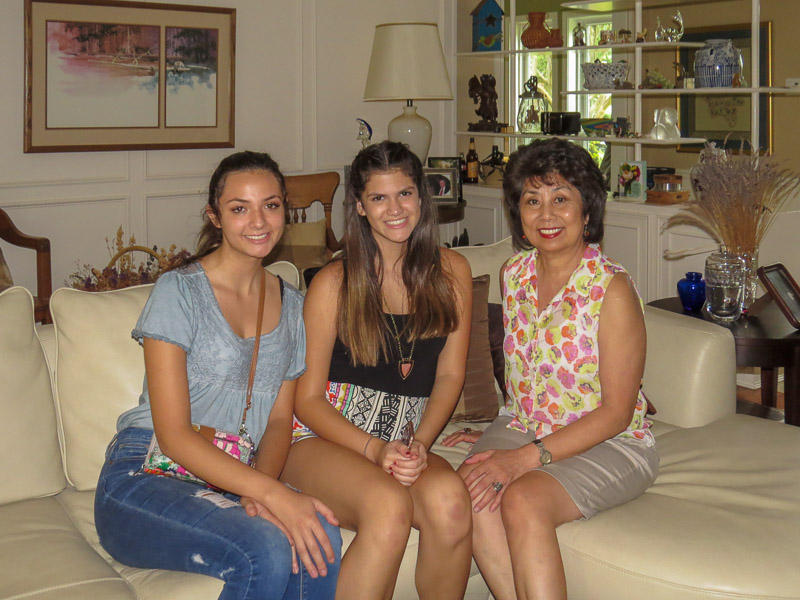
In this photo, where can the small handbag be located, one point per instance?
(240, 446)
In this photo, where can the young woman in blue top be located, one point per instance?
(198, 329)
(388, 331)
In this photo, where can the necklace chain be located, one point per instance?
(404, 365)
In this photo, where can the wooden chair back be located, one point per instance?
(304, 190)
(44, 282)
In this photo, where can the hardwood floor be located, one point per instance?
(749, 402)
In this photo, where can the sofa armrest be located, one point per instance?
(690, 373)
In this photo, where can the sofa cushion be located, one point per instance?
(149, 583)
(43, 556)
(487, 260)
(100, 370)
(724, 501)
(478, 400)
(30, 466)
(690, 388)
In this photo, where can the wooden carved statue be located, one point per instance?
(482, 91)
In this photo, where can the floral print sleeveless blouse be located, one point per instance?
(552, 373)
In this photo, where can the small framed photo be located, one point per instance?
(783, 289)
(442, 184)
(448, 162)
(632, 181)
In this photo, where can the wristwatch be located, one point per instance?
(544, 453)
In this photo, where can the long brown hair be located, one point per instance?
(432, 306)
(210, 236)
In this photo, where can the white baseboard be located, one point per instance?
(751, 379)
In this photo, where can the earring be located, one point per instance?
(586, 232)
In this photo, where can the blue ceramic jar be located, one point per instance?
(692, 291)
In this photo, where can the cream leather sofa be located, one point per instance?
(721, 521)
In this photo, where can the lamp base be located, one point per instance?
(412, 129)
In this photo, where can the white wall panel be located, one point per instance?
(300, 71)
(79, 239)
(173, 219)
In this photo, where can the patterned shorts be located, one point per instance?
(381, 414)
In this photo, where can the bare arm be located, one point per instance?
(452, 363)
(274, 446)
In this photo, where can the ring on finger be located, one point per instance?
(467, 430)
(497, 486)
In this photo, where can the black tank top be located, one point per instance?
(385, 376)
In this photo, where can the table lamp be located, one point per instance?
(407, 63)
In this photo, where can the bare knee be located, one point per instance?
(385, 514)
(443, 507)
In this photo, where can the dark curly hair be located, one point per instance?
(546, 161)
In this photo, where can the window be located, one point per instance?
(590, 105)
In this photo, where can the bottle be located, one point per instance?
(462, 168)
(473, 163)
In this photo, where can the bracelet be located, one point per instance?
(364, 452)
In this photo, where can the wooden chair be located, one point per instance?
(303, 190)
(44, 282)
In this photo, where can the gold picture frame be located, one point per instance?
(108, 75)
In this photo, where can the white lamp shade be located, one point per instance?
(407, 63)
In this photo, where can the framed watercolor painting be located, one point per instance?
(715, 116)
(107, 75)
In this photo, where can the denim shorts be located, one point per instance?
(150, 521)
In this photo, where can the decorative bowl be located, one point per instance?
(601, 76)
(599, 127)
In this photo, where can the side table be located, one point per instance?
(767, 341)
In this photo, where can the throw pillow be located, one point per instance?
(496, 335)
(302, 244)
(478, 401)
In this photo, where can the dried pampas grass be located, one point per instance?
(736, 197)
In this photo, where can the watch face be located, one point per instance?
(544, 453)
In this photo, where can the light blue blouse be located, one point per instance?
(183, 310)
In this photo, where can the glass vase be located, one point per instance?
(692, 291)
(750, 278)
(725, 282)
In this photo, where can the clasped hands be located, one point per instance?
(402, 462)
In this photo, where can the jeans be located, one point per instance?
(150, 521)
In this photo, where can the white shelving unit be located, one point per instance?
(512, 50)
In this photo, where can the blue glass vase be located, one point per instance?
(692, 291)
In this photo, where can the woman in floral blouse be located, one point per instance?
(572, 439)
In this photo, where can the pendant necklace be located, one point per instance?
(404, 365)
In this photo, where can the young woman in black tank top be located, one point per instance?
(388, 331)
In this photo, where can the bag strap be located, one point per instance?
(254, 358)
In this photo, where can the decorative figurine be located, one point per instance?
(364, 133)
(483, 91)
(672, 34)
(579, 35)
(641, 37)
(487, 27)
(658, 33)
(624, 36)
(607, 36)
(666, 124)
